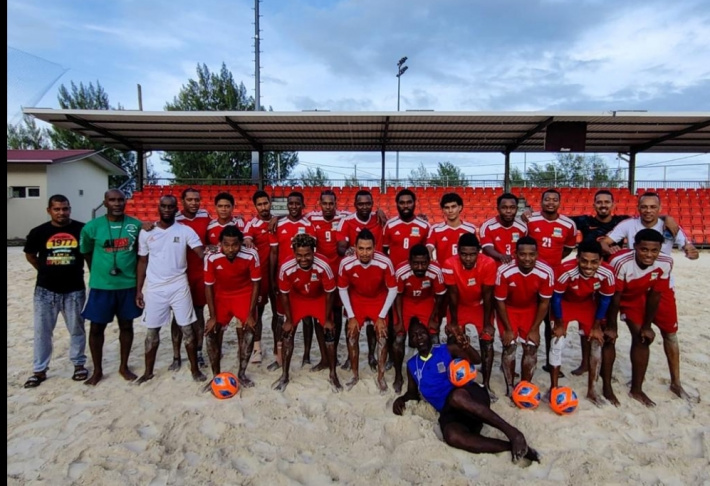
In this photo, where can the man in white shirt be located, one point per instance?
(166, 284)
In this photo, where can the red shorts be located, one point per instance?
(367, 309)
(305, 307)
(666, 317)
(473, 315)
(197, 288)
(582, 312)
(231, 305)
(521, 321)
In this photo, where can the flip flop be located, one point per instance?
(35, 380)
(80, 374)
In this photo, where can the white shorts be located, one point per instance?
(159, 302)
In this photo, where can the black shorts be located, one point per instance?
(450, 415)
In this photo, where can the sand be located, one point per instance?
(168, 432)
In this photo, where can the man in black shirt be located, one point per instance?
(52, 249)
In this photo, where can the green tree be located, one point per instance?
(92, 98)
(571, 170)
(315, 178)
(447, 174)
(26, 135)
(219, 92)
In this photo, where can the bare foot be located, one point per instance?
(198, 376)
(609, 395)
(532, 455)
(518, 446)
(372, 362)
(643, 398)
(320, 366)
(273, 366)
(175, 365)
(595, 399)
(335, 384)
(94, 378)
(398, 382)
(493, 397)
(346, 366)
(580, 371)
(280, 384)
(127, 374)
(349, 385)
(381, 384)
(306, 360)
(144, 378)
(678, 390)
(244, 381)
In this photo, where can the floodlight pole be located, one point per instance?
(401, 69)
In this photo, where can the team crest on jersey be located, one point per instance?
(654, 276)
(597, 285)
(334, 226)
(471, 282)
(557, 232)
(426, 284)
(415, 231)
(314, 277)
(176, 239)
(516, 237)
(301, 230)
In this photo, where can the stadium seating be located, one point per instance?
(691, 207)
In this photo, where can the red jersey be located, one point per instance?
(369, 281)
(234, 277)
(578, 288)
(635, 282)
(258, 230)
(502, 239)
(470, 282)
(307, 289)
(285, 231)
(399, 236)
(350, 226)
(552, 237)
(327, 235)
(444, 239)
(214, 229)
(419, 292)
(521, 290)
(199, 223)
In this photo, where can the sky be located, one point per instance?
(463, 55)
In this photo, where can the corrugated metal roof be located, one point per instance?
(608, 132)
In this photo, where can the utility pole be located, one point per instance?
(401, 69)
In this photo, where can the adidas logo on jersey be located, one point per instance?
(512, 284)
(396, 233)
(219, 267)
(537, 230)
(355, 275)
(497, 238)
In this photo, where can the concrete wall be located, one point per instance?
(83, 182)
(26, 213)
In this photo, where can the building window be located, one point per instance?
(25, 192)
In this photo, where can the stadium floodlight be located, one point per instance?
(401, 69)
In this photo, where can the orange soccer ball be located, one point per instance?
(563, 400)
(526, 395)
(461, 372)
(225, 385)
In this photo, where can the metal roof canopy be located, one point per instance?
(413, 131)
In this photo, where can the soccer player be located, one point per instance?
(470, 277)
(404, 230)
(162, 267)
(306, 290)
(499, 234)
(326, 222)
(224, 206)
(368, 288)
(420, 289)
(109, 245)
(280, 240)
(256, 235)
(642, 277)
(198, 219)
(443, 237)
(556, 237)
(583, 292)
(232, 284)
(462, 411)
(523, 290)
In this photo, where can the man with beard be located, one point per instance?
(499, 234)
(420, 289)
(232, 283)
(162, 267)
(306, 290)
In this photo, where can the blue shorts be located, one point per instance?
(103, 305)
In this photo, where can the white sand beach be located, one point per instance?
(167, 432)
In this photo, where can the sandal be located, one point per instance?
(35, 380)
(80, 374)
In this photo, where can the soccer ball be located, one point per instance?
(526, 395)
(225, 385)
(563, 400)
(461, 372)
